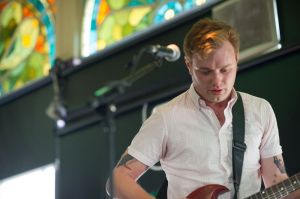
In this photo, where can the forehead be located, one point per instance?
(222, 56)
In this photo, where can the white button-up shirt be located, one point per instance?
(195, 150)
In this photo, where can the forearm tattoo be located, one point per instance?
(280, 165)
(126, 158)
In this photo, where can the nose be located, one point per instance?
(216, 78)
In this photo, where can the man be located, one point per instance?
(191, 135)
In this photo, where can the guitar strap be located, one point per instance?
(238, 145)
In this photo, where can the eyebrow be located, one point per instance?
(207, 68)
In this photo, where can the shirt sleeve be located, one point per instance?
(148, 146)
(270, 145)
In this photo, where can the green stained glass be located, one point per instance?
(105, 31)
(26, 42)
(127, 29)
(122, 17)
(116, 5)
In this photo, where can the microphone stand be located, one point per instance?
(57, 111)
(104, 106)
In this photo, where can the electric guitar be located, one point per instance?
(277, 191)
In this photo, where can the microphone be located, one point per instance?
(170, 52)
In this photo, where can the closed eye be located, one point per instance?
(203, 71)
(225, 70)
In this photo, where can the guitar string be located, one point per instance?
(290, 189)
(292, 186)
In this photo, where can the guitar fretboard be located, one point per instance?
(279, 190)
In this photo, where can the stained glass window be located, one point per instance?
(27, 42)
(108, 21)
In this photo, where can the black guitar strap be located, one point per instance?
(238, 145)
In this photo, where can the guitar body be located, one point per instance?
(207, 192)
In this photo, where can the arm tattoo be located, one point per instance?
(124, 160)
(279, 163)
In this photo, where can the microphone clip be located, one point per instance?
(57, 109)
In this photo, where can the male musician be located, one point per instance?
(191, 135)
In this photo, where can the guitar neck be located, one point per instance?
(279, 190)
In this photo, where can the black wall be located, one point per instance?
(28, 138)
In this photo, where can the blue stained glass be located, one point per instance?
(96, 8)
(135, 3)
(188, 4)
(45, 19)
(140, 2)
(161, 11)
(94, 36)
(93, 27)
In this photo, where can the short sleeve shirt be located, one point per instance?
(195, 150)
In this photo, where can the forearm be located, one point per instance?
(125, 174)
(293, 195)
(273, 170)
(126, 188)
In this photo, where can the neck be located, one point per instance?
(218, 108)
(218, 105)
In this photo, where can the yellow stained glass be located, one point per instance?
(137, 14)
(117, 32)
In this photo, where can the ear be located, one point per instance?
(237, 57)
(188, 63)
